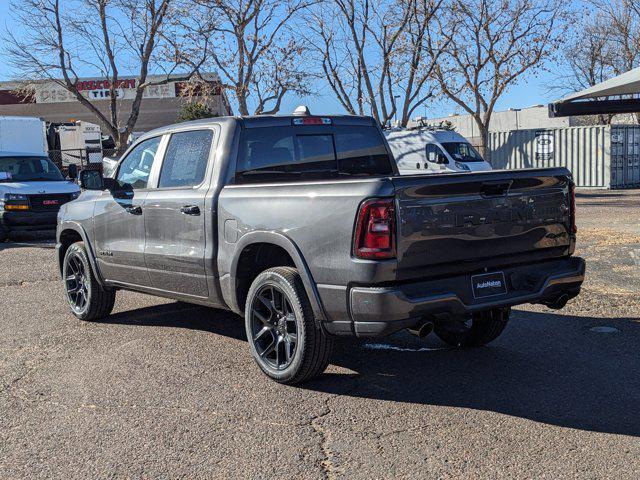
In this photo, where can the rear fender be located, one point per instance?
(229, 293)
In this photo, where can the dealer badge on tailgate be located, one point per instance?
(488, 285)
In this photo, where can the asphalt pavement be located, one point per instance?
(167, 390)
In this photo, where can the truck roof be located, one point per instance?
(256, 121)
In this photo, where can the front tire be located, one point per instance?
(285, 340)
(87, 299)
(480, 329)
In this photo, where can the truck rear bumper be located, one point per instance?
(379, 311)
(28, 221)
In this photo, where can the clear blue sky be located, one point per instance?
(529, 91)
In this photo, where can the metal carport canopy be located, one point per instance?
(594, 100)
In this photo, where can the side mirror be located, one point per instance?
(441, 159)
(93, 180)
(72, 172)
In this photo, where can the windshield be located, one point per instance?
(462, 152)
(28, 169)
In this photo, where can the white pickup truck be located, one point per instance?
(32, 188)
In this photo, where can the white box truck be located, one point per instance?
(80, 139)
(23, 134)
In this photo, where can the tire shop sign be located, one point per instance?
(100, 89)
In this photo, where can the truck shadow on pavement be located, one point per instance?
(28, 243)
(546, 367)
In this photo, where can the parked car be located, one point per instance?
(428, 150)
(32, 189)
(302, 225)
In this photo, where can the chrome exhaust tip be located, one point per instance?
(422, 330)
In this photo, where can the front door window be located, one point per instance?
(135, 168)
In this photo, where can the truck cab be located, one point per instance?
(426, 150)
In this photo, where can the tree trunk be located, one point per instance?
(121, 141)
(483, 147)
(243, 109)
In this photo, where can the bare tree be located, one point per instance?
(585, 54)
(617, 23)
(256, 52)
(58, 40)
(494, 44)
(372, 54)
(604, 43)
(585, 57)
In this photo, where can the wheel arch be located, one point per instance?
(276, 242)
(70, 233)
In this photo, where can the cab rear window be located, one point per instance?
(311, 152)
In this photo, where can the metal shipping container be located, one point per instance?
(597, 156)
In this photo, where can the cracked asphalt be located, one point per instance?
(168, 390)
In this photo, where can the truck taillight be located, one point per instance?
(376, 230)
(572, 195)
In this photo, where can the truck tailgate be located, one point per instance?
(465, 222)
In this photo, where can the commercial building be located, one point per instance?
(161, 104)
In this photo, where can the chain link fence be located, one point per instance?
(84, 159)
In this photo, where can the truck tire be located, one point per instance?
(4, 234)
(286, 342)
(480, 329)
(87, 299)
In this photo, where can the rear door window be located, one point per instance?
(185, 162)
(298, 153)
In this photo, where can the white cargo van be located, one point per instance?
(427, 150)
(32, 188)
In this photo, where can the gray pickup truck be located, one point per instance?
(302, 225)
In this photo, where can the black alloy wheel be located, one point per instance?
(286, 340)
(88, 299)
(273, 327)
(77, 283)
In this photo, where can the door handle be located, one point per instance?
(190, 210)
(134, 209)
